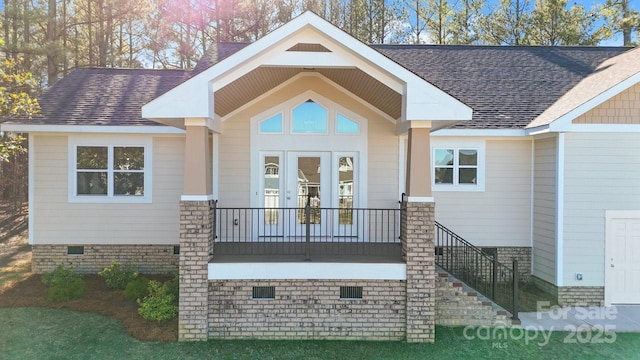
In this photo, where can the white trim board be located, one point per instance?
(307, 270)
(161, 129)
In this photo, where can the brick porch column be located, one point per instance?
(196, 233)
(196, 239)
(418, 242)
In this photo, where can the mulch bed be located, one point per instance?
(98, 299)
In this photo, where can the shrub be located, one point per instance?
(173, 286)
(159, 304)
(116, 276)
(136, 289)
(64, 284)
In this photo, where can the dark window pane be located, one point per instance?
(444, 157)
(92, 183)
(128, 158)
(127, 183)
(91, 157)
(444, 176)
(468, 157)
(468, 176)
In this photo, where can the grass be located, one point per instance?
(35, 333)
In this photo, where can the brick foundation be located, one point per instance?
(572, 295)
(581, 295)
(148, 259)
(196, 238)
(506, 255)
(307, 309)
(417, 235)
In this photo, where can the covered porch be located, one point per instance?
(270, 134)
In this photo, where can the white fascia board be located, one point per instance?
(33, 128)
(480, 132)
(564, 122)
(423, 101)
(544, 129)
(307, 270)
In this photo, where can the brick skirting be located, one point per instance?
(307, 309)
(581, 295)
(572, 295)
(148, 259)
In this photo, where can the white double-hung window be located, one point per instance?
(103, 172)
(458, 167)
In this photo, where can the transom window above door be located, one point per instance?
(309, 117)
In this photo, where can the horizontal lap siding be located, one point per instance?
(500, 215)
(383, 164)
(544, 210)
(234, 173)
(57, 221)
(602, 172)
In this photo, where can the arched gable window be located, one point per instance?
(309, 118)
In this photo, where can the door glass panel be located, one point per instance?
(271, 189)
(309, 189)
(345, 190)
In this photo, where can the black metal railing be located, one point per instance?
(479, 270)
(307, 231)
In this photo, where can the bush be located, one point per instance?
(116, 276)
(173, 286)
(160, 304)
(136, 289)
(64, 284)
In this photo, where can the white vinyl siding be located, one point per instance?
(383, 164)
(57, 221)
(602, 172)
(544, 210)
(500, 215)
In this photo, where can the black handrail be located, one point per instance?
(481, 271)
(308, 231)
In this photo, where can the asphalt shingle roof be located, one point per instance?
(507, 87)
(608, 74)
(98, 96)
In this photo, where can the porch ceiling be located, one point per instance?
(262, 79)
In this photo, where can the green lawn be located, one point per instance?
(34, 333)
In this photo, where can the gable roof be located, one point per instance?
(610, 78)
(507, 87)
(100, 96)
(420, 100)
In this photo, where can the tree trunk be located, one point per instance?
(52, 70)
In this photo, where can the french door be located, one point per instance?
(325, 181)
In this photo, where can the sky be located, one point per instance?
(588, 4)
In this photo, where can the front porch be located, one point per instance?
(345, 235)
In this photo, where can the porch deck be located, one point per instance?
(318, 252)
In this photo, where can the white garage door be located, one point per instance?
(622, 261)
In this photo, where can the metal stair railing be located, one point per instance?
(481, 271)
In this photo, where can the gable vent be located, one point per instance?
(307, 47)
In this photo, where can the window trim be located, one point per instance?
(110, 143)
(456, 146)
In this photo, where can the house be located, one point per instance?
(299, 147)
